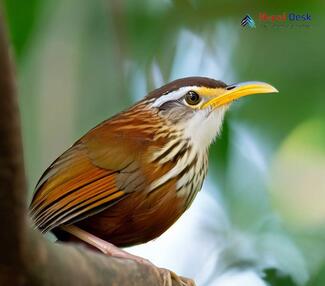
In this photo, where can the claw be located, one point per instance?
(169, 276)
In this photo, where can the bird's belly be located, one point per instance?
(138, 218)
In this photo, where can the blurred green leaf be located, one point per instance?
(275, 278)
(219, 155)
(22, 17)
(318, 278)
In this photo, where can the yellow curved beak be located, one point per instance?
(238, 90)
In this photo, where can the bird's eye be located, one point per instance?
(192, 98)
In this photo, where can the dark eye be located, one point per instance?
(192, 98)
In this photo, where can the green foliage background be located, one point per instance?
(79, 62)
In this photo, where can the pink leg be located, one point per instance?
(102, 245)
(111, 250)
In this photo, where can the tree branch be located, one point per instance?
(63, 264)
(26, 258)
(12, 177)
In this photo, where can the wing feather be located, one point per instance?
(98, 171)
(72, 189)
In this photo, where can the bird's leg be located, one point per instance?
(102, 245)
(112, 250)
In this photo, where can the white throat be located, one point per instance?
(202, 128)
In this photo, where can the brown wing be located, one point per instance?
(97, 172)
(70, 188)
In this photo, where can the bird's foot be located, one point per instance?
(166, 275)
(110, 249)
(169, 276)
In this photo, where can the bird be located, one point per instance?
(127, 180)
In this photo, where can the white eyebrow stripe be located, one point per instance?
(174, 95)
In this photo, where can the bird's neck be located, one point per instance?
(201, 132)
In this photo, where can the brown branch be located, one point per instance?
(62, 264)
(12, 177)
(26, 258)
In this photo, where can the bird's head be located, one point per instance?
(196, 105)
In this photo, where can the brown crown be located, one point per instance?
(186, 81)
